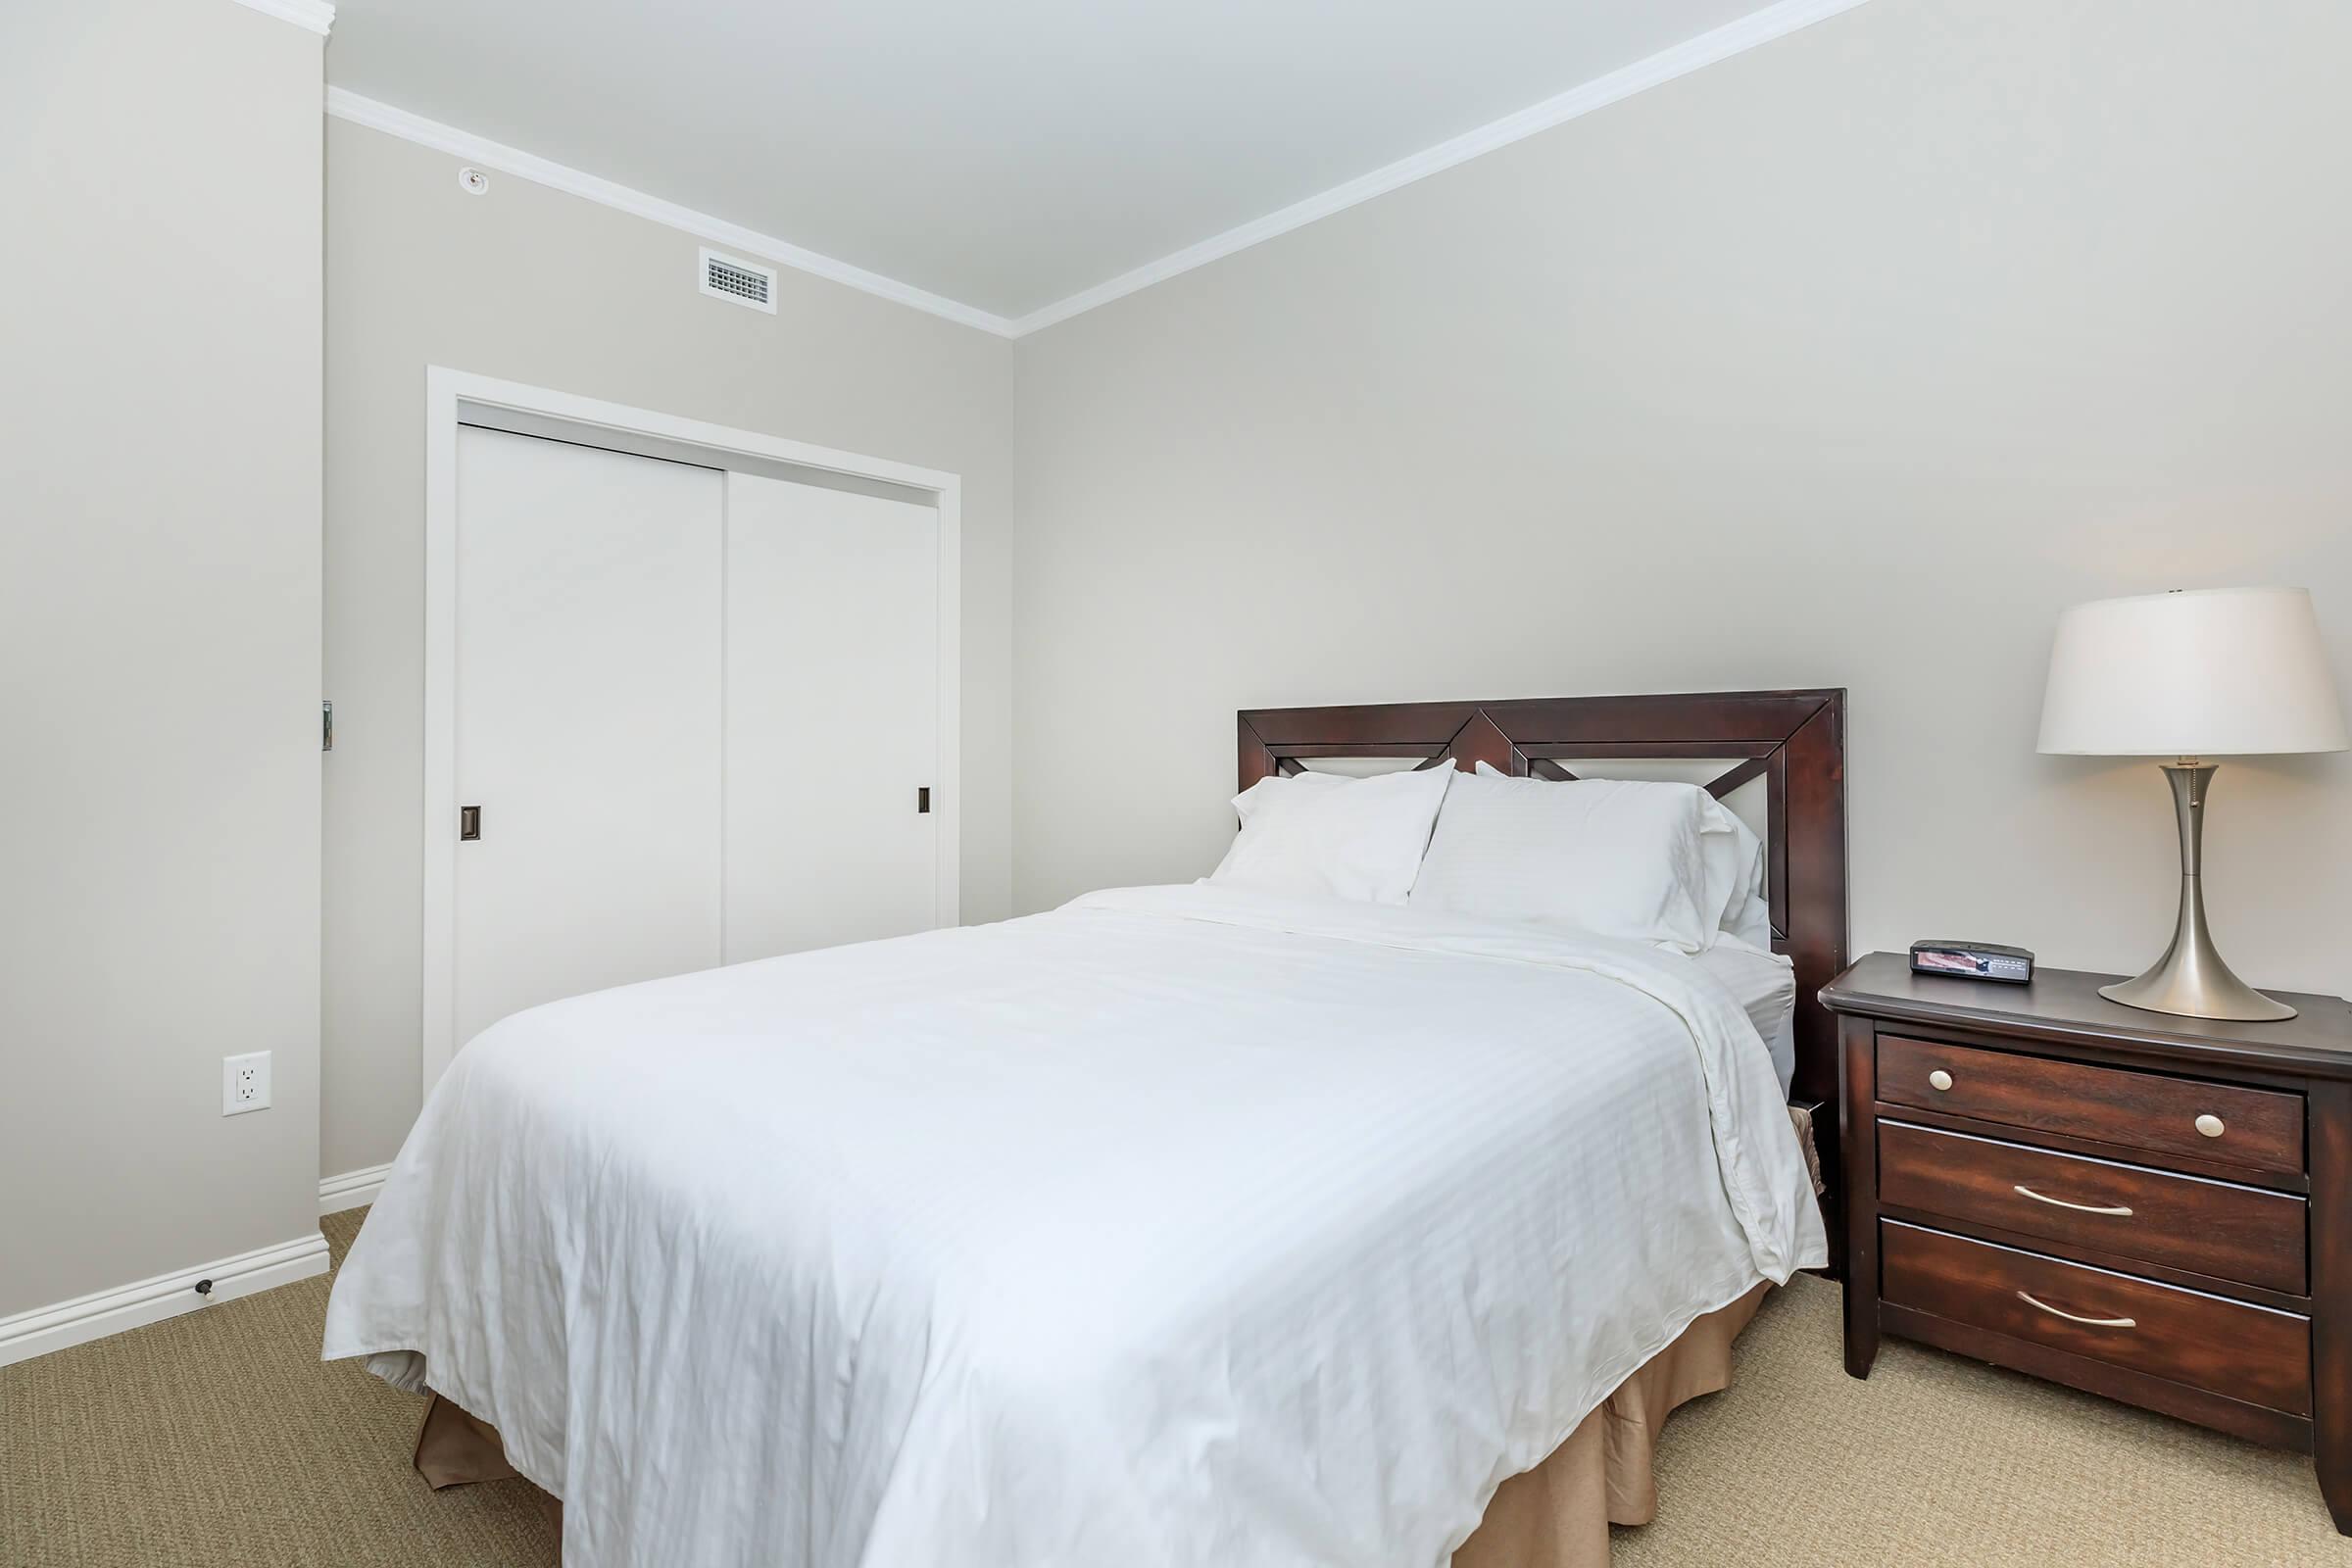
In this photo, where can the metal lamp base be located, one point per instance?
(2190, 980)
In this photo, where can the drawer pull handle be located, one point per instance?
(2080, 1209)
(2092, 1322)
(1939, 1079)
(2209, 1125)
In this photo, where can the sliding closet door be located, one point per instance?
(832, 722)
(587, 724)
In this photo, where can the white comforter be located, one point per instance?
(1179, 1226)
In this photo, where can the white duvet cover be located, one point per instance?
(1179, 1226)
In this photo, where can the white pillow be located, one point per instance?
(1323, 835)
(1748, 924)
(1736, 869)
(1615, 857)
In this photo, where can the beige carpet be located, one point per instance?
(218, 1437)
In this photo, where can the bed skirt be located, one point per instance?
(1557, 1515)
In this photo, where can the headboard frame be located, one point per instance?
(1795, 741)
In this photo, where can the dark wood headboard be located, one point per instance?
(1795, 741)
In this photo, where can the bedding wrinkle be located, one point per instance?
(1179, 1226)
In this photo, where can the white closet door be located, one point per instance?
(588, 713)
(831, 717)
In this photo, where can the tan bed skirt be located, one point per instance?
(1557, 1515)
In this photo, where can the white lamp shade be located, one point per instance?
(2208, 672)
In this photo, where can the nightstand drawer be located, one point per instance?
(2259, 1129)
(2249, 1353)
(2207, 1227)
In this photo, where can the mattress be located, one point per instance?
(1764, 984)
(1176, 1226)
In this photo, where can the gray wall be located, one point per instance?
(532, 285)
(159, 637)
(1846, 362)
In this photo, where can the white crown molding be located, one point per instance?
(345, 105)
(317, 16)
(1731, 38)
(127, 1306)
(353, 1188)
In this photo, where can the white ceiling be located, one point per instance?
(1004, 155)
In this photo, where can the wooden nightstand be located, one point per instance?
(2153, 1208)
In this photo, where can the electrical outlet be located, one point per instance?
(244, 1083)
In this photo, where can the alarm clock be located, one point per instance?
(1973, 961)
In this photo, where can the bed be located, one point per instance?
(1180, 1225)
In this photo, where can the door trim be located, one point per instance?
(448, 397)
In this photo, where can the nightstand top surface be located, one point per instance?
(2066, 1005)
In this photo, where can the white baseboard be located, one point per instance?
(127, 1306)
(353, 1188)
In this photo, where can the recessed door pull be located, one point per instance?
(923, 799)
(469, 823)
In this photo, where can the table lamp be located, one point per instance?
(2205, 672)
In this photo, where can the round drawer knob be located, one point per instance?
(1944, 1080)
(2209, 1125)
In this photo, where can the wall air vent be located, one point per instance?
(724, 277)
